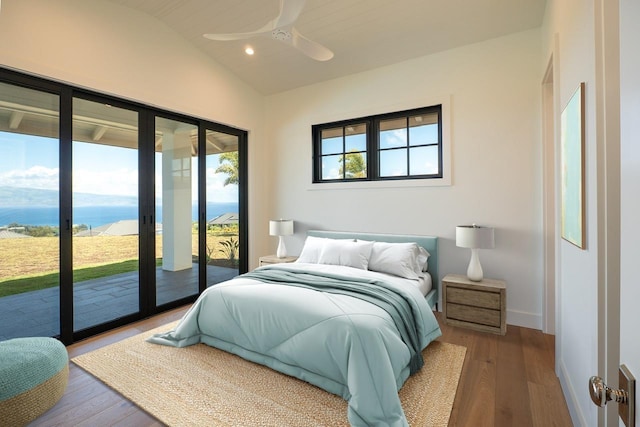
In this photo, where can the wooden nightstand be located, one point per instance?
(272, 259)
(475, 305)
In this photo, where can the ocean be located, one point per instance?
(95, 216)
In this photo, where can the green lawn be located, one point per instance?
(34, 283)
(32, 264)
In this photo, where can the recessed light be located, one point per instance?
(248, 50)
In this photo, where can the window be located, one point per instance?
(401, 145)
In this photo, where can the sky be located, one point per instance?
(33, 162)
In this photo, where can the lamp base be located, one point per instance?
(474, 272)
(282, 250)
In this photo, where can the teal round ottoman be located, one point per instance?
(33, 376)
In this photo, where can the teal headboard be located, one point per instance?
(430, 243)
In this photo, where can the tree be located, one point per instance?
(229, 165)
(354, 165)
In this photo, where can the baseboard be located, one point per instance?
(524, 319)
(570, 395)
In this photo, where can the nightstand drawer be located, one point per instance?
(475, 298)
(467, 313)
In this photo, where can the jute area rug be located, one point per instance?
(203, 386)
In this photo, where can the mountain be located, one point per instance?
(35, 197)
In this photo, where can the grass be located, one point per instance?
(27, 284)
(32, 264)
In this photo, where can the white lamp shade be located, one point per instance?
(281, 227)
(474, 237)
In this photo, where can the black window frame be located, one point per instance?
(373, 149)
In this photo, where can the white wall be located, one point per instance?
(493, 94)
(119, 51)
(572, 23)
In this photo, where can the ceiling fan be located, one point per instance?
(281, 28)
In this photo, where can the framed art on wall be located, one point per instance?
(572, 169)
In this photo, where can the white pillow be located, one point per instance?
(313, 246)
(422, 259)
(311, 249)
(349, 253)
(406, 260)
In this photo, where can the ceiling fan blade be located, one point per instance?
(266, 28)
(309, 47)
(289, 12)
(233, 36)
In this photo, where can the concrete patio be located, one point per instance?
(96, 301)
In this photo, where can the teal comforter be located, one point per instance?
(338, 339)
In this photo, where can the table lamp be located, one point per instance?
(280, 228)
(474, 237)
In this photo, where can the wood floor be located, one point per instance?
(506, 381)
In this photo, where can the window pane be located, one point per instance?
(176, 210)
(222, 183)
(356, 137)
(423, 160)
(331, 141)
(393, 124)
(393, 133)
(332, 146)
(356, 142)
(423, 119)
(356, 165)
(331, 167)
(29, 213)
(393, 162)
(423, 135)
(105, 213)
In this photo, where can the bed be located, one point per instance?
(337, 318)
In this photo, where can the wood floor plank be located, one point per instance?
(511, 383)
(113, 414)
(138, 419)
(77, 405)
(475, 398)
(548, 407)
(506, 381)
(538, 357)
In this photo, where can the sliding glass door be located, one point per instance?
(29, 213)
(176, 198)
(110, 210)
(105, 213)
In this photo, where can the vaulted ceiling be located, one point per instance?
(363, 34)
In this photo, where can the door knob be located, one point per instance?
(601, 393)
(625, 396)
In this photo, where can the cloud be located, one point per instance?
(394, 138)
(119, 182)
(39, 177)
(217, 191)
